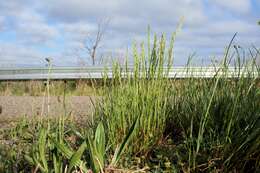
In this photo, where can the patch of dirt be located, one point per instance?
(12, 107)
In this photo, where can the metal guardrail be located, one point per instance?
(98, 72)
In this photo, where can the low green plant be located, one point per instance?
(57, 146)
(97, 147)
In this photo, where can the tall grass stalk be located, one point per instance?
(48, 84)
(205, 117)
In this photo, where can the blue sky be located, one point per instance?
(32, 30)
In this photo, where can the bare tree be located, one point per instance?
(92, 42)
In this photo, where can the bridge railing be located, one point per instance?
(98, 72)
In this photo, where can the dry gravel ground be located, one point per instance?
(13, 107)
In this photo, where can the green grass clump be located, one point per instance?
(230, 138)
(138, 93)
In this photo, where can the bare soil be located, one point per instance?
(13, 107)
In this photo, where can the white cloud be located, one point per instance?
(2, 23)
(42, 23)
(24, 56)
(11, 55)
(148, 11)
(35, 32)
(76, 31)
(76, 10)
(241, 6)
(29, 26)
(33, 28)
